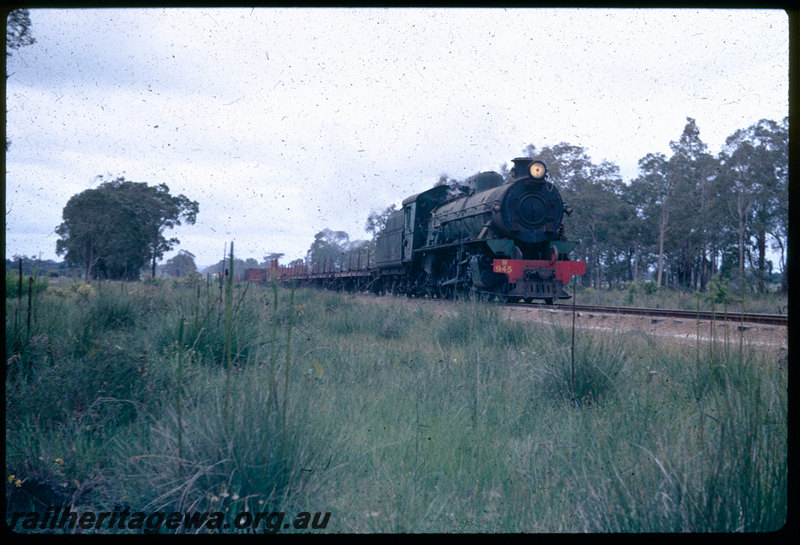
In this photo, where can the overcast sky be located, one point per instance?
(282, 122)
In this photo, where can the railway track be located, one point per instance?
(747, 317)
(719, 316)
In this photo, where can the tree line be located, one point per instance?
(685, 219)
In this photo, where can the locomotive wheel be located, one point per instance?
(502, 292)
(449, 291)
(549, 301)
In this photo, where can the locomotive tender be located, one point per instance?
(493, 239)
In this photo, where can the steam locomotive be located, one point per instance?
(493, 239)
(487, 238)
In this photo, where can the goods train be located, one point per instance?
(488, 238)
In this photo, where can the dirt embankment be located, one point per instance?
(668, 330)
(663, 329)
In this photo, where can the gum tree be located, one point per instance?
(118, 227)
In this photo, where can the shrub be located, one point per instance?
(598, 365)
(77, 289)
(650, 287)
(112, 309)
(12, 285)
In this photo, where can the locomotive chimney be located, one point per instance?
(526, 167)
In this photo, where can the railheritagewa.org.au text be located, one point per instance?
(123, 520)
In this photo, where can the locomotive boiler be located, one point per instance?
(493, 238)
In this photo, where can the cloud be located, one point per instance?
(281, 122)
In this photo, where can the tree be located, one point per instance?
(771, 145)
(102, 235)
(654, 188)
(18, 30)
(637, 231)
(693, 172)
(376, 221)
(327, 249)
(34, 266)
(779, 229)
(112, 231)
(222, 267)
(272, 258)
(159, 211)
(180, 265)
(18, 34)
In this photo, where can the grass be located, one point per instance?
(646, 294)
(391, 418)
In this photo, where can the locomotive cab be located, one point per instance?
(416, 210)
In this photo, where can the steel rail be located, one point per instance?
(747, 317)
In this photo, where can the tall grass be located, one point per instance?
(393, 419)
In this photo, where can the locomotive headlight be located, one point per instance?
(537, 170)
